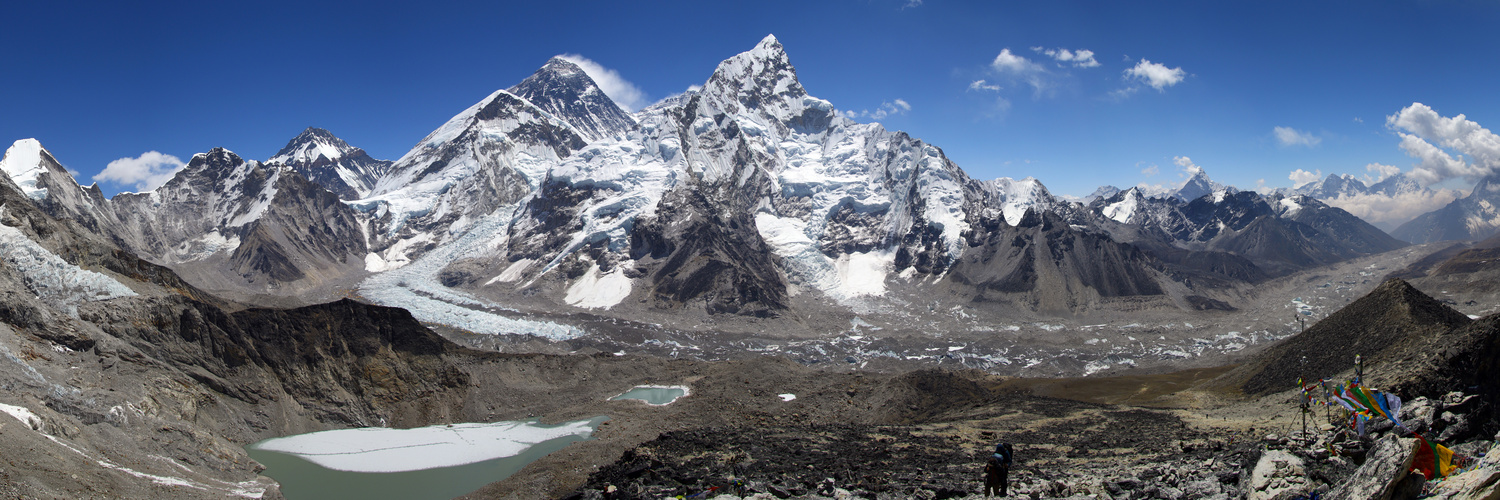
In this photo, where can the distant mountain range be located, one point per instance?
(1472, 217)
(747, 196)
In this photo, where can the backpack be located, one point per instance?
(1004, 453)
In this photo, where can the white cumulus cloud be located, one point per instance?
(1388, 212)
(1301, 177)
(145, 172)
(1382, 171)
(1008, 62)
(1433, 140)
(1009, 65)
(1081, 58)
(1288, 136)
(620, 90)
(1187, 165)
(1157, 75)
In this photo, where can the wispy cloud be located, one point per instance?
(1081, 58)
(620, 90)
(1151, 170)
(145, 172)
(1288, 136)
(982, 85)
(895, 107)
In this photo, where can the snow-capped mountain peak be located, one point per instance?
(1015, 197)
(1333, 187)
(1197, 186)
(23, 163)
(1396, 185)
(760, 79)
(330, 162)
(1103, 192)
(310, 145)
(569, 94)
(1122, 206)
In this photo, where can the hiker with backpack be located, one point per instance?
(997, 468)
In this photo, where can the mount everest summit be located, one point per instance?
(745, 197)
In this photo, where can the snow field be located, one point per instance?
(596, 291)
(24, 415)
(23, 163)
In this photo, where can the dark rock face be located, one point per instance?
(1344, 229)
(552, 217)
(346, 362)
(287, 233)
(1043, 255)
(1281, 246)
(306, 229)
(349, 173)
(1382, 327)
(563, 89)
(1191, 266)
(1276, 238)
(696, 248)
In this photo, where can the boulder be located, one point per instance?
(1385, 466)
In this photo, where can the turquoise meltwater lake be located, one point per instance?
(654, 394)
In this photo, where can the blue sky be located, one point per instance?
(100, 82)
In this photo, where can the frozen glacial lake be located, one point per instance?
(440, 461)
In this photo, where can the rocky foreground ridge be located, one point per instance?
(1232, 436)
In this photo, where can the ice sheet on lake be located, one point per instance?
(379, 449)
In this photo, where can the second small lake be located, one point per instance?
(655, 395)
